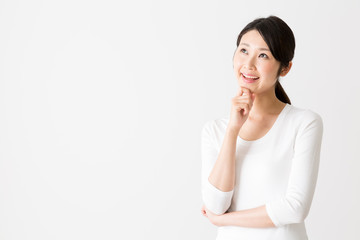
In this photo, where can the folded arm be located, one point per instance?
(218, 169)
(294, 205)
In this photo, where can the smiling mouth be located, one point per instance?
(249, 78)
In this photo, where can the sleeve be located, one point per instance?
(294, 206)
(214, 199)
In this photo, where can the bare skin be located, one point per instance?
(254, 110)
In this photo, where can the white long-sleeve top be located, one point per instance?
(279, 170)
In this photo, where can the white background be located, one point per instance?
(102, 105)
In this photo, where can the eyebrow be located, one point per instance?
(263, 49)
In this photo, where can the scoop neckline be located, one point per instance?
(269, 133)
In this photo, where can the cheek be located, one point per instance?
(269, 69)
(237, 63)
(236, 68)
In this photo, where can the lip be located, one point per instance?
(249, 75)
(248, 80)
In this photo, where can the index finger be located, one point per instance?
(247, 90)
(239, 91)
(243, 90)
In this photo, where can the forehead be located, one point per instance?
(253, 39)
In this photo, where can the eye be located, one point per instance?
(243, 50)
(263, 55)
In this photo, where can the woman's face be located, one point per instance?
(254, 65)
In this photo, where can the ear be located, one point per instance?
(285, 70)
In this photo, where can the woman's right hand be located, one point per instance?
(241, 105)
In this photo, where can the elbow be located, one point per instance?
(216, 209)
(297, 212)
(287, 211)
(216, 204)
(298, 216)
(216, 201)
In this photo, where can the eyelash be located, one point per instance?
(243, 50)
(265, 56)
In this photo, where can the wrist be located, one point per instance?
(221, 220)
(232, 131)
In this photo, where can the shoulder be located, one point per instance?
(215, 128)
(302, 115)
(303, 119)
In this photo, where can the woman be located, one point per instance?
(260, 165)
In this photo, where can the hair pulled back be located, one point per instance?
(281, 42)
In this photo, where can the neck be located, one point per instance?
(266, 104)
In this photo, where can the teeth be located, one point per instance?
(248, 76)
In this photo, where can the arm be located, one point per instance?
(218, 170)
(218, 176)
(222, 175)
(219, 201)
(294, 206)
(252, 218)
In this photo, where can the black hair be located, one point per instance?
(281, 41)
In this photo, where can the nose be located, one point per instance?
(250, 62)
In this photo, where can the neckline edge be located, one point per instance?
(275, 124)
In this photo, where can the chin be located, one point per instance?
(251, 88)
